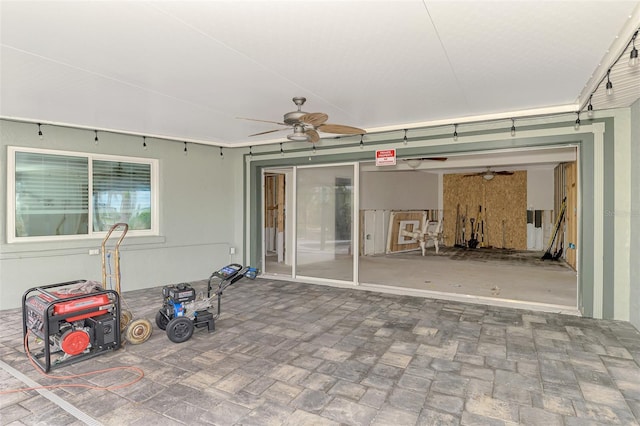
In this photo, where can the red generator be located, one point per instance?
(68, 322)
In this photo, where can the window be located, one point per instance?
(56, 195)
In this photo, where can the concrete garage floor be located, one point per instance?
(483, 274)
(295, 354)
(494, 276)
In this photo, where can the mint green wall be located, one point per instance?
(209, 204)
(200, 216)
(634, 255)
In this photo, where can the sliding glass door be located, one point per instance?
(325, 222)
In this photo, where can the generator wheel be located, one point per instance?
(138, 331)
(125, 318)
(161, 320)
(179, 329)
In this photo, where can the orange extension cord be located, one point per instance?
(138, 371)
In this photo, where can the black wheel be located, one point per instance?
(161, 320)
(179, 329)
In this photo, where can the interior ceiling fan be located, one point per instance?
(306, 125)
(489, 174)
(414, 163)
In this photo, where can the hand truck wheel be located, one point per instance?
(138, 331)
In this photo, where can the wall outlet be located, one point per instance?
(232, 250)
(94, 252)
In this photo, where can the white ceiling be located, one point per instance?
(185, 70)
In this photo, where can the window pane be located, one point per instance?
(51, 195)
(121, 193)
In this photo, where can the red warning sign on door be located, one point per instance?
(386, 157)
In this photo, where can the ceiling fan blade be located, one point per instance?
(503, 172)
(475, 174)
(262, 121)
(314, 118)
(433, 158)
(340, 129)
(268, 131)
(313, 135)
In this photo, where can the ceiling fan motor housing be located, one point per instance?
(292, 118)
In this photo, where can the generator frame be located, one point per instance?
(52, 320)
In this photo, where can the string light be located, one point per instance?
(40, 132)
(95, 140)
(250, 152)
(455, 132)
(361, 141)
(609, 83)
(185, 148)
(144, 143)
(513, 127)
(405, 140)
(577, 124)
(633, 56)
(281, 150)
(221, 154)
(314, 148)
(590, 107)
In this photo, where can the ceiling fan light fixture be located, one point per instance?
(414, 163)
(488, 176)
(298, 134)
(298, 137)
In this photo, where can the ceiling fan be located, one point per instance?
(415, 162)
(490, 174)
(306, 125)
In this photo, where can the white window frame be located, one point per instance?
(11, 194)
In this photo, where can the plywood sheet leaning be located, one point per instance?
(399, 220)
(501, 204)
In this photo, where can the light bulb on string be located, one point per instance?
(590, 107)
(144, 143)
(633, 55)
(513, 127)
(455, 132)
(609, 85)
(95, 140)
(281, 150)
(40, 135)
(250, 152)
(221, 154)
(405, 140)
(185, 149)
(361, 141)
(577, 123)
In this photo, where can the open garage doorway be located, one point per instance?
(475, 227)
(277, 198)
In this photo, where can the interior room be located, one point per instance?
(277, 212)
(552, 282)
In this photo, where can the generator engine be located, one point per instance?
(71, 325)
